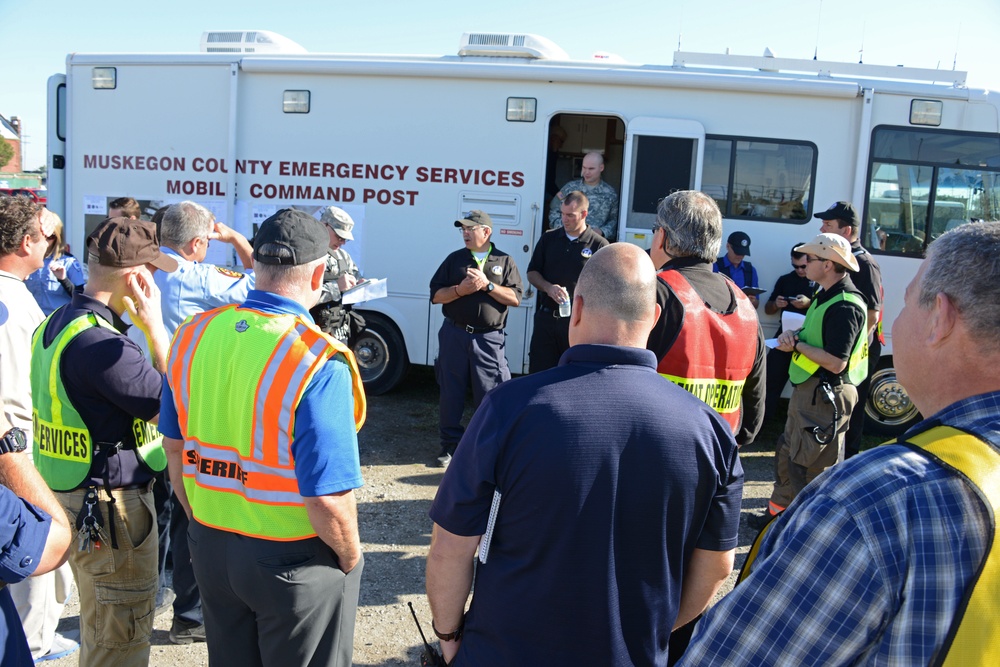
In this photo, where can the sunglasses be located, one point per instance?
(799, 266)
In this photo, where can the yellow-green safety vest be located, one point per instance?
(802, 367)
(62, 446)
(237, 377)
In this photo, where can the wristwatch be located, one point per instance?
(490, 287)
(13, 441)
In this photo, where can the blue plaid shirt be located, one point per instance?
(866, 567)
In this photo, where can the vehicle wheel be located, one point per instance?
(888, 410)
(381, 354)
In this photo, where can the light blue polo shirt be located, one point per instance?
(196, 287)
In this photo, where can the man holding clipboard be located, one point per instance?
(738, 269)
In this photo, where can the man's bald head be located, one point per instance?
(615, 298)
(593, 167)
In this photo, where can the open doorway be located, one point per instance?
(571, 137)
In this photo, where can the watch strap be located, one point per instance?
(449, 636)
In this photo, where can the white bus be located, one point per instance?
(406, 144)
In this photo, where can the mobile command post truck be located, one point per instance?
(408, 144)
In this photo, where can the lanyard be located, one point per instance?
(481, 262)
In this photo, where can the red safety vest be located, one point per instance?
(713, 353)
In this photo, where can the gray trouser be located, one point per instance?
(274, 604)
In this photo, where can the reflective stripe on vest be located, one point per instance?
(705, 358)
(238, 375)
(802, 367)
(974, 636)
(61, 444)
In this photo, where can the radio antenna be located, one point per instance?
(819, 22)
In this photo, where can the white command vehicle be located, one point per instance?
(408, 144)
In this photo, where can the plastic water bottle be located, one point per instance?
(565, 307)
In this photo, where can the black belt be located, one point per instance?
(469, 328)
(554, 312)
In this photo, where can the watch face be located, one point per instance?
(13, 441)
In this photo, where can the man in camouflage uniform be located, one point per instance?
(602, 213)
(341, 275)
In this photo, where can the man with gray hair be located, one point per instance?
(597, 498)
(707, 338)
(195, 287)
(907, 530)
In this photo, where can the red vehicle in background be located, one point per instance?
(36, 195)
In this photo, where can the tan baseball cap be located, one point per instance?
(832, 247)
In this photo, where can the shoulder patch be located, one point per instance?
(228, 272)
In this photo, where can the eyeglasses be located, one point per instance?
(799, 266)
(464, 229)
(811, 258)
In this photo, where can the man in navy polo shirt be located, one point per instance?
(613, 523)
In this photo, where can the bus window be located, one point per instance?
(760, 178)
(923, 183)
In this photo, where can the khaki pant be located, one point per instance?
(799, 457)
(117, 587)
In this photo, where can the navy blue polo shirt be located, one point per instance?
(606, 492)
(110, 382)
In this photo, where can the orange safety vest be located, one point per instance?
(237, 376)
(713, 353)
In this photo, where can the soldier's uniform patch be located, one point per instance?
(229, 272)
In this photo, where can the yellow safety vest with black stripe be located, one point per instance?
(62, 446)
(974, 636)
(802, 367)
(237, 376)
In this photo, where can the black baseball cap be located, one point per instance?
(475, 217)
(303, 235)
(740, 242)
(842, 210)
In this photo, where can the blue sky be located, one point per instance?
(35, 37)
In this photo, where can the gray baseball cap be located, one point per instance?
(338, 220)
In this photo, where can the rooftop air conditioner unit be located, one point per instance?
(247, 41)
(509, 45)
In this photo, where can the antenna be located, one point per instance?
(819, 21)
(680, 28)
(958, 40)
(861, 53)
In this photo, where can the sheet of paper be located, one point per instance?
(366, 291)
(791, 321)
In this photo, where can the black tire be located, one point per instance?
(381, 354)
(888, 410)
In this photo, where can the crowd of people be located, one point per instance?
(592, 505)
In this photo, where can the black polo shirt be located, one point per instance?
(110, 382)
(790, 286)
(843, 322)
(478, 310)
(561, 260)
(868, 278)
